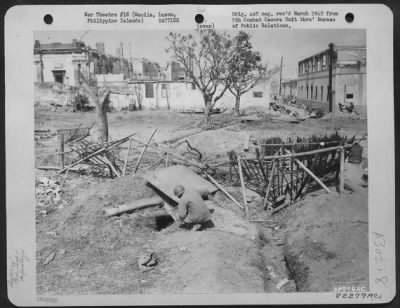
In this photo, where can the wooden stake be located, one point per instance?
(269, 184)
(243, 189)
(341, 184)
(311, 174)
(61, 150)
(144, 150)
(126, 158)
(246, 142)
(224, 191)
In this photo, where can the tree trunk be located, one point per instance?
(237, 106)
(101, 123)
(207, 110)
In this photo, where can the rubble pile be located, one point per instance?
(48, 195)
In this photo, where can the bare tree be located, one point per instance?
(205, 63)
(97, 97)
(245, 67)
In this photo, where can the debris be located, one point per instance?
(49, 258)
(147, 261)
(52, 233)
(143, 151)
(183, 249)
(96, 154)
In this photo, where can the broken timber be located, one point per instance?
(133, 206)
(289, 174)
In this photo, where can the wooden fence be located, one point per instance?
(284, 177)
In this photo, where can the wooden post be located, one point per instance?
(61, 150)
(144, 150)
(224, 191)
(341, 174)
(311, 174)
(246, 142)
(126, 158)
(243, 188)
(271, 177)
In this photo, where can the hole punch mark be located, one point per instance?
(349, 17)
(48, 19)
(199, 18)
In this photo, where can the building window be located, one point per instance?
(257, 94)
(307, 92)
(59, 76)
(149, 89)
(316, 93)
(164, 90)
(324, 62)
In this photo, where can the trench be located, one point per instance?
(163, 221)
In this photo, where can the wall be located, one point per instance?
(67, 62)
(356, 78)
(181, 96)
(49, 94)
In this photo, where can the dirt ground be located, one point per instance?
(80, 251)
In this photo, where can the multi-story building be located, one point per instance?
(348, 78)
(100, 48)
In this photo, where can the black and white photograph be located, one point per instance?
(204, 160)
(201, 161)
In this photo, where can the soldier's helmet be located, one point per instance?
(179, 190)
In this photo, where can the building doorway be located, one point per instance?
(59, 76)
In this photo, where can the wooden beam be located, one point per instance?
(269, 185)
(341, 174)
(311, 174)
(143, 151)
(126, 158)
(224, 191)
(243, 189)
(133, 206)
(61, 150)
(300, 154)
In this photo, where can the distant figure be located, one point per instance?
(192, 210)
(347, 107)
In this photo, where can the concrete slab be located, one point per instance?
(166, 179)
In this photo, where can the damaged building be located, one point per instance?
(348, 79)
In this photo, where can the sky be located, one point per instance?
(292, 45)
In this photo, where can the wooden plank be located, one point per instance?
(133, 206)
(311, 174)
(269, 185)
(126, 157)
(61, 150)
(224, 191)
(299, 154)
(117, 143)
(167, 179)
(341, 172)
(243, 189)
(143, 151)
